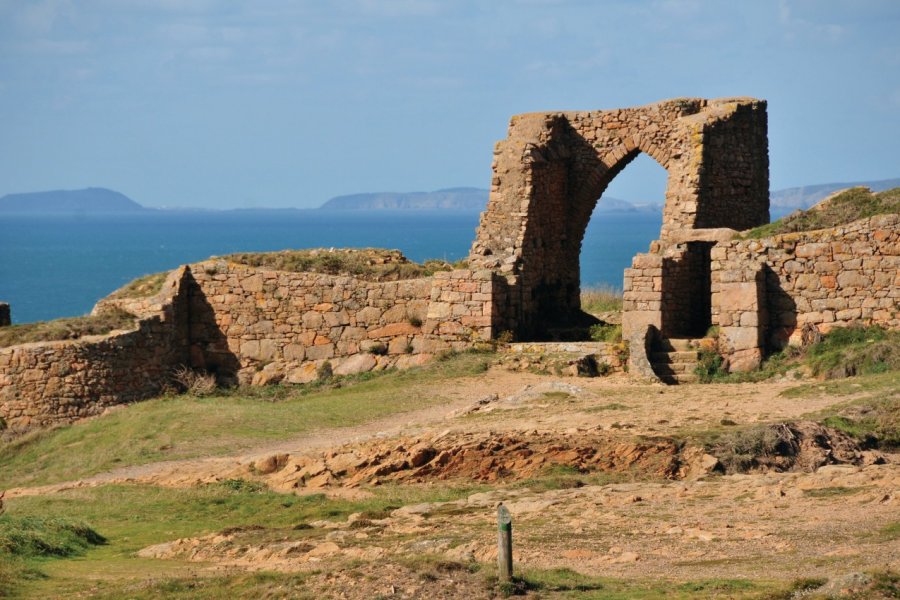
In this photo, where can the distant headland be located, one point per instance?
(102, 200)
(88, 200)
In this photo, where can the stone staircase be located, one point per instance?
(674, 360)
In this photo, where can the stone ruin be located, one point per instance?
(256, 326)
(551, 170)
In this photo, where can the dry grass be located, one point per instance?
(142, 287)
(845, 207)
(196, 383)
(600, 299)
(371, 264)
(66, 329)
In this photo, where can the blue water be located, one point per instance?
(58, 266)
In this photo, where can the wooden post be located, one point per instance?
(504, 543)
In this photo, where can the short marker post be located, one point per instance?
(504, 543)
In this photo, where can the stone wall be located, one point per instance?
(259, 326)
(829, 278)
(247, 325)
(43, 384)
(553, 167)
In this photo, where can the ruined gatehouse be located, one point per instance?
(256, 325)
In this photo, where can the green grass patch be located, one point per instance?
(371, 264)
(847, 206)
(605, 407)
(849, 351)
(177, 427)
(26, 542)
(39, 536)
(873, 422)
(601, 299)
(878, 383)
(566, 583)
(66, 329)
(244, 585)
(132, 517)
(142, 287)
(832, 492)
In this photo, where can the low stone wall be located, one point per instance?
(765, 290)
(48, 383)
(261, 326)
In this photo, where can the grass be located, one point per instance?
(857, 350)
(142, 287)
(842, 352)
(25, 540)
(366, 263)
(66, 329)
(566, 583)
(710, 367)
(178, 427)
(601, 299)
(874, 422)
(132, 517)
(845, 207)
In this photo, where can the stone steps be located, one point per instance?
(674, 360)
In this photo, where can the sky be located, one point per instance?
(276, 103)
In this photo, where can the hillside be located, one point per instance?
(88, 200)
(790, 199)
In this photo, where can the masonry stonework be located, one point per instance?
(553, 167)
(257, 326)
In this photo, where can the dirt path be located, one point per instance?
(513, 402)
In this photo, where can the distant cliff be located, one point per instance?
(89, 200)
(462, 198)
(791, 199)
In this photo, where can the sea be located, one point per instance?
(55, 266)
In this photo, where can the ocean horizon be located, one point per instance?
(57, 266)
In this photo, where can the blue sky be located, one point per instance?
(277, 103)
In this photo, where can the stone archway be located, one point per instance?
(552, 168)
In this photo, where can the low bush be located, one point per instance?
(197, 383)
(606, 332)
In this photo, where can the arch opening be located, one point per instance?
(615, 214)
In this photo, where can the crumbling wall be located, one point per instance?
(553, 167)
(48, 383)
(829, 278)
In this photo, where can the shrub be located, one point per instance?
(378, 349)
(415, 321)
(197, 383)
(606, 332)
(709, 366)
(325, 371)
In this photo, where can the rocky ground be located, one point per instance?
(603, 477)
